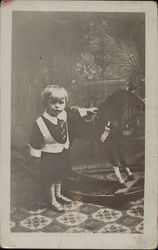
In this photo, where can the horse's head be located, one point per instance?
(125, 111)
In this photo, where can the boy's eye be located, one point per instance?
(53, 102)
(61, 102)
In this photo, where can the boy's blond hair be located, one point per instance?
(56, 92)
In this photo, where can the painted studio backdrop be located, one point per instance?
(90, 54)
(93, 55)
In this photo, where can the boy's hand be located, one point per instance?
(92, 110)
(104, 136)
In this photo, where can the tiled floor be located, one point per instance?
(79, 217)
(29, 213)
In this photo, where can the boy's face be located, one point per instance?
(55, 106)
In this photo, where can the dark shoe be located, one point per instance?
(130, 178)
(57, 207)
(122, 185)
(63, 199)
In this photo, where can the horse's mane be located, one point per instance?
(114, 99)
(119, 97)
(122, 107)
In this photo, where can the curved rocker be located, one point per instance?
(82, 187)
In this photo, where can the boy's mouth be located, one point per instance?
(57, 111)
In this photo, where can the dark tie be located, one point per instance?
(62, 129)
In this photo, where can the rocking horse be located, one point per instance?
(125, 110)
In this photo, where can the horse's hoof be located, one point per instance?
(130, 178)
(122, 185)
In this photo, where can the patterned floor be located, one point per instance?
(29, 213)
(79, 217)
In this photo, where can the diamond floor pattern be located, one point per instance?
(73, 220)
(29, 213)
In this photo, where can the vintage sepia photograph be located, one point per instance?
(79, 108)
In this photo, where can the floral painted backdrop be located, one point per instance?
(108, 56)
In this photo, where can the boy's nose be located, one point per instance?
(57, 105)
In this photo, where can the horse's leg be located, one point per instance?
(112, 147)
(125, 166)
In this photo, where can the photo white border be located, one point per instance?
(82, 240)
